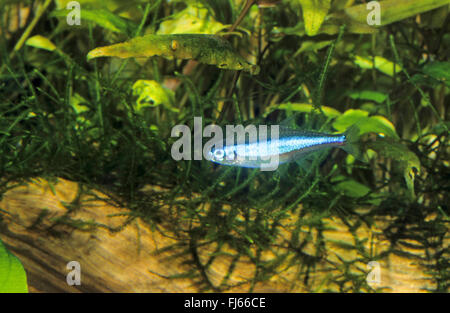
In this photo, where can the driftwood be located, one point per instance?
(38, 227)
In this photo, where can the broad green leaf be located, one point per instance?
(195, 19)
(383, 65)
(333, 23)
(301, 107)
(421, 79)
(370, 95)
(209, 49)
(349, 118)
(355, 17)
(434, 19)
(381, 125)
(40, 42)
(314, 12)
(350, 187)
(151, 94)
(12, 275)
(439, 71)
(103, 18)
(394, 10)
(341, 4)
(366, 124)
(408, 161)
(330, 26)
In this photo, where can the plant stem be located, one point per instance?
(28, 31)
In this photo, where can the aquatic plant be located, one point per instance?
(62, 115)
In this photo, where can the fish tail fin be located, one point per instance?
(352, 144)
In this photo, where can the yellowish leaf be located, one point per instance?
(314, 12)
(41, 42)
(209, 49)
(383, 65)
(151, 94)
(192, 20)
(303, 108)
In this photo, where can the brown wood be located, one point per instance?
(134, 259)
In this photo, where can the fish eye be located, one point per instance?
(218, 154)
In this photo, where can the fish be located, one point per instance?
(290, 145)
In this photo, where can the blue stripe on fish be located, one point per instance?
(290, 145)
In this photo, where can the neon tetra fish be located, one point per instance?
(289, 146)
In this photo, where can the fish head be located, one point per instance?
(224, 155)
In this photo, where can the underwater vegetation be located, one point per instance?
(94, 98)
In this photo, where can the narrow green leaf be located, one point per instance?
(303, 108)
(310, 45)
(103, 18)
(383, 65)
(209, 49)
(40, 42)
(12, 275)
(370, 95)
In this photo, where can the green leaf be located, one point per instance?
(350, 187)
(349, 118)
(314, 12)
(383, 65)
(439, 71)
(310, 45)
(40, 42)
(151, 94)
(209, 49)
(303, 108)
(195, 19)
(408, 161)
(366, 124)
(421, 79)
(392, 11)
(103, 18)
(370, 95)
(78, 103)
(354, 17)
(333, 23)
(12, 275)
